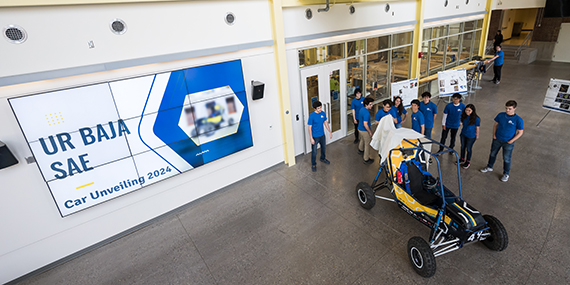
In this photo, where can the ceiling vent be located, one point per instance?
(15, 34)
(230, 18)
(118, 26)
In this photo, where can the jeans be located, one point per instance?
(320, 140)
(444, 137)
(467, 145)
(355, 130)
(398, 125)
(497, 71)
(427, 133)
(507, 152)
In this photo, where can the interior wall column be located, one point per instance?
(418, 38)
(485, 30)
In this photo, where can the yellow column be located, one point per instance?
(418, 38)
(282, 81)
(485, 30)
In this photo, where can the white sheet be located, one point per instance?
(387, 137)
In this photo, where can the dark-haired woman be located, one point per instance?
(399, 110)
(469, 133)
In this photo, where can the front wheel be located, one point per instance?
(421, 257)
(498, 240)
(365, 195)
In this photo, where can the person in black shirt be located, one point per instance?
(498, 40)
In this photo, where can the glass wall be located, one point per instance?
(445, 47)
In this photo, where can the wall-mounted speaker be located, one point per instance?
(258, 88)
(6, 156)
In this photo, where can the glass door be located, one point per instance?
(326, 83)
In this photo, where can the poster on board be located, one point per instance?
(98, 142)
(407, 90)
(557, 96)
(452, 81)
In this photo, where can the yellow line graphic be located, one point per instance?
(85, 185)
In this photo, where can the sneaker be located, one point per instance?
(486, 169)
(493, 80)
(461, 161)
(360, 152)
(325, 161)
(369, 161)
(466, 165)
(497, 82)
(314, 168)
(505, 178)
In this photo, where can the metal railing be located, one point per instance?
(525, 44)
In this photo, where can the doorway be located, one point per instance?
(326, 83)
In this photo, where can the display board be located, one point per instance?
(557, 96)
(407, 90)
(452, 81)
(98, 142)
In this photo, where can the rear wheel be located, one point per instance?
(421, 257)
(365, 195)
(498, 240)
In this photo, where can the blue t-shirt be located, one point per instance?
(508, 126)
(396, 114)
(453, 115)
(418, 121)
(428, 110)
(380, 114)
(499, 60)
(356, 104)
(470, 131)
(363, 116)
(316, 120)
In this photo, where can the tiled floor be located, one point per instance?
(287, 225)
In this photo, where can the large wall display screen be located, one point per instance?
(98, 142)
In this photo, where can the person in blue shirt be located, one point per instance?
(364, 130)
(355, 105)
(498, 58)
(451, 120)
(469, 134)
(429, 109)
(386, 110)
(507, 129)
(399, 111)
(418, 121)
(316, 121)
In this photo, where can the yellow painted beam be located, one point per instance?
(418, 38)
(485, 28)
(282, 81)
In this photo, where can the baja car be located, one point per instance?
(453, 222)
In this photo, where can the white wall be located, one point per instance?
(518, 4)
(435, 9)
(563, 44)
(33, 233)
(507, 23)
(526, 16)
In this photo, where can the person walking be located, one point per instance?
(498, 58)
(508, 128)
(364, 129)
(429, 109)
(355, 105)
(418, 121)
(469, 134)
(498, 39)
(451, 120)
(316, 121)
(399, 111)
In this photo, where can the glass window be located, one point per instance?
(425, 59)
(476, 43)
(469, 26)
(465, 54)
(355, 79)
(437, 55)
(402, 39)
(400, 67)
(355, 48)
(377, 75)
(321, 54)
(427, 34)
(455, 28)
(480, 24)
(334, 81)
(439, 32)
(452, 57)
(374, 44)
